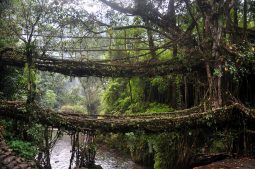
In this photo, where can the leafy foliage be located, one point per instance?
(12, 84)
(132, 100)
(50, 97)
(73, 108)
(25, 149)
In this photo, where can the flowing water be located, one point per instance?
(106, 158)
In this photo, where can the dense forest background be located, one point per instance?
(206, 45)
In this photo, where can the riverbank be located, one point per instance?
(241, 163)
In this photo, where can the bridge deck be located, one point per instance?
(179, 120)
(83, 68)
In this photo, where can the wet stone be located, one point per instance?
(12, 164)
(8, 160)
(19, 160)
(8, 153)
(32, 163)
(5, 149)
(2, 157)
(23, 166)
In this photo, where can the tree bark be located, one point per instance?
(172, 21)
(151, 41)
(234, 36)
(186, 92)
(219, 87)
(209, 78)
(47, 147)
(30, 97)
(245, 8)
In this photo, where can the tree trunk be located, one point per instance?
(245, 8)
(47, 148)
(213, 32)
(174, 98)
(234, 36)
(151, 42)
(73, 150)
(31, 83)
(172, 21)
(209, 78)
(186, 92)
(219, 92)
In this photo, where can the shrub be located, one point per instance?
(24, 149)
(73, 108)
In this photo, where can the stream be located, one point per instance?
(106, 158)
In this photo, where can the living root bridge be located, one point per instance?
(94, 68)
(229, 116)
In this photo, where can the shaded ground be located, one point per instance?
(242, 163)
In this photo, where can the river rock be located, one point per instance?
(9, 160)
(12, 164)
